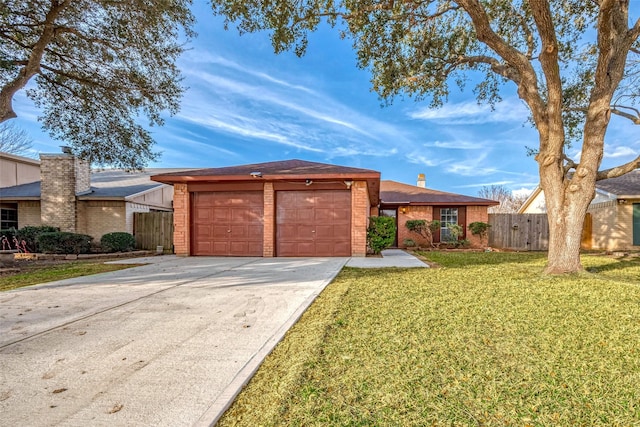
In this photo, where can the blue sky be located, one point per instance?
(247, 105)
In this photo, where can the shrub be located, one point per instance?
(31, 233)
(410, 243)
(64, 243)
(480, 229)
(381, 233)
(424, 228)
(117, 242)
(455, 231)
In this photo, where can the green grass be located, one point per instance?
(50, 273)
(486, 339)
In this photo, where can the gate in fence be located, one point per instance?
(153, 229)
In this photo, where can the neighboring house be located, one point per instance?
(406, 202)
(298, 208)
(65, 193)
(614, 213)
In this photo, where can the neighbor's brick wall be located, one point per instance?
(612, 225)
(82, 178)
(360, 209)
(412, 212)
(268, 247)
(29, 213)
(97, 217)
(181, 207)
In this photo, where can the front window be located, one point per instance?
(8, 219)
(448, 216)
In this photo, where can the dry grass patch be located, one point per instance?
(43, 273)
(484, 340)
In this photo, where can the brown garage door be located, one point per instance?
(313, 223)
(228, 223)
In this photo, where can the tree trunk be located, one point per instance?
(565, 237)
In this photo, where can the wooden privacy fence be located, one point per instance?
(521, 232)
(153, 229)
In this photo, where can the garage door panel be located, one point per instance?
(313, 223)
(228, 223)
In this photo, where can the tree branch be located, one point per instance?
(619, 170)
(635, 118)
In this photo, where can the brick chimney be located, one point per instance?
(62, 177)
(422, 181)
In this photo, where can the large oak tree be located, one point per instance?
(574, 63)
(95, 66)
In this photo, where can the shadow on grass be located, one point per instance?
(461, 259)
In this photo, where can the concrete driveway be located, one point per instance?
(166, 344)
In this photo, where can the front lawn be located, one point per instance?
(485, 340)
(38, 272)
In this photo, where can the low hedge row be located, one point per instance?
(62, 242)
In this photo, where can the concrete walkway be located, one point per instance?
(390, 258)
(167, 344)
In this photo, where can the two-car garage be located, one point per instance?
(308, 223)
(289, 208)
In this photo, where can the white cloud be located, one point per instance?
(470, 112)
(457, 145)
(616, 152)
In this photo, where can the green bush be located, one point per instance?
(479, 228)
(64, 243)
(381, 233)
(30, 235)
(410, 243)
(117, 242)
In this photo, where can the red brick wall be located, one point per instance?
(474, 214)
(181, 232)
(360, 208)
(412, 212)
(268, 248)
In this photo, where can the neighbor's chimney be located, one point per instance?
(62, 177)
(422, 181)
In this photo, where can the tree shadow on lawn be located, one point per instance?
(606, 263)
(453, 259)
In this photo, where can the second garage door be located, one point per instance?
(228, 223)
(313, 223)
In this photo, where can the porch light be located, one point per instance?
(256, 174)
(308, 182)
(348, 184)
(403, 210)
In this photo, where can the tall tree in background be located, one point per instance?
(571, 82)
(96, 66)
(14, 140)
(509, 202)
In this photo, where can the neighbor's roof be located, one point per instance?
(627, 185)
(107, 184)
(392, 192)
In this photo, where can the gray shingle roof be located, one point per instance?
(625, 185)
(392, 192)
(109, 184)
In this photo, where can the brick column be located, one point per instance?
(268, 248)
(359, 218)
(62, 177)
(181, 215)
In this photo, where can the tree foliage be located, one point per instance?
(96, 66)
(14, 140)
(574, 64)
